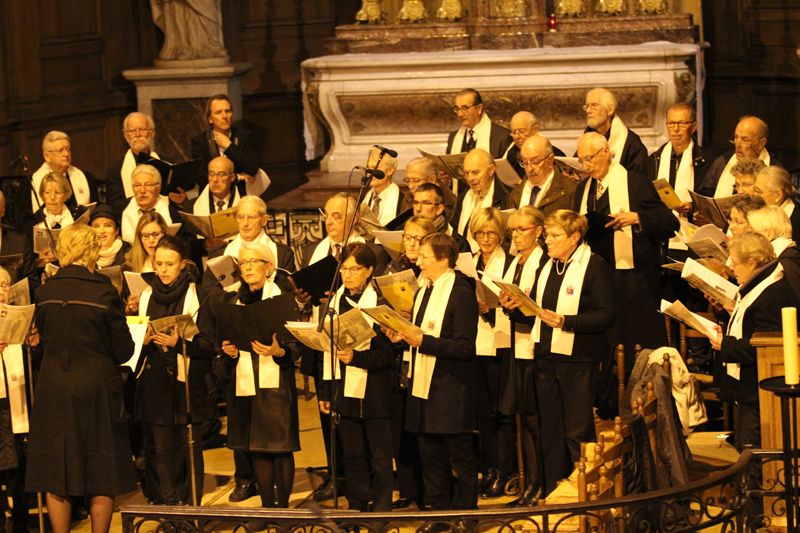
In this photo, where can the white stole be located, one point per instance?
(467, 207)
(64, 219)
(616, 182)
(526, 281)
(617, 137)
(269, 372)
(489, 339)
(727, 180)
(780, 244)
(128, 164)
(355, 380)
(234, 247)
(425, 364)
(788, 207)
(12, 386)
(569, 298)
(131, 216)
(190, 306)
(201, 206)
(389, 199)
(77, 180)
(482, 133)
(734, 370)
(684, 181)
(325, 246)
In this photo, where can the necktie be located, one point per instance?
(376, 205)
(599, 191)
(470, 140)
(337, 249)
(534, 194)
(143, 211)
(220, 204)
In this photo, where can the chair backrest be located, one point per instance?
(685, 333)
(619, 357)
(647, 407)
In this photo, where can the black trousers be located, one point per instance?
(14, 481)
(243, 469)
(167, 455)
(487, 392)
(442, 454)
(325, 425)
(362, 438)
(747, 425)
(405, 451)
(637, 322)
(567, 389)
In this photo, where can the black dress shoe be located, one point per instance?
(402, 503)
(497, 488)
(433, 527)
(325, 491)
(487, 479)
(243, 490)
(529, 498)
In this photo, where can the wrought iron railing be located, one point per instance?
(727, 501)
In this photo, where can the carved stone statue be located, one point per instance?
(370, 12)
(450, 10)
(412, 11)
(192, 31)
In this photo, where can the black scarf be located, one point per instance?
(167, 300)
(248, 296)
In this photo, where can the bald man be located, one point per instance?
(749, 141)
(139, 132)
(601, 117)
(545, 186)
(523, 124)
(628, 225)
(485, 190)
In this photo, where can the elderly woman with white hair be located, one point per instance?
(771, 222)
(763, 291)
(78, 444)
(775, 186)
(262, 416)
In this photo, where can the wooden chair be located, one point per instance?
(647, 407)
(619, 370)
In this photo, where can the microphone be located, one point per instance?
(373, 172)
(21, 159)
(387, 151)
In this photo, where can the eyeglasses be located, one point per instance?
(680, 124)
(593, 105)
(336, 217)
(521, 131)
(486, 234)
(243, 217)
(413, 181)
(5, 286)
(554, 236)
(424, 202)
(252, 263)
(589, 158)
(519, 230)
(351, 270)
(138, 131)
(530, 163)
(412, 238)
(743, 140)
(463, 108)
(151, 236)
(149, 185)
(62, 150)
(425, 257)
(219, 174)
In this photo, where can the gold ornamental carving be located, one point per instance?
(450, 10)
(412, 11)
(370, 12)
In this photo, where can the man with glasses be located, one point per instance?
(545, 187)
(57, 153)
(429, 203)
(383, 197)
(523, 125)
(139, 132)
(749, 140)
(476, 129)
(628, 223)
(146, 185)
(422, 170)
(626, 146)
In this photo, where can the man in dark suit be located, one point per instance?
(523, 125)
(234, 142)
(601, 117)
(485, 190)
(139, 131)
(476, 130)
(383, 197)
(545, 186)
(429, 203)
(628, 223)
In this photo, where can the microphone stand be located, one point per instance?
(327, 310)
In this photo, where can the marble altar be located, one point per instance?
(403, 100)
